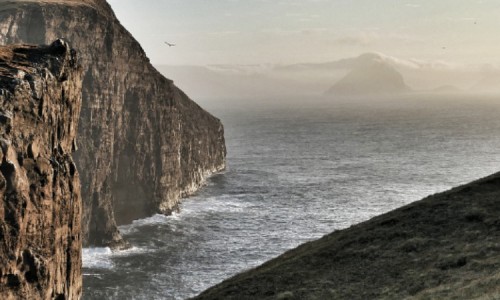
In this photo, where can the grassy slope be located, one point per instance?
(446, 246)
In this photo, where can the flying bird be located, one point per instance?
(169, 44)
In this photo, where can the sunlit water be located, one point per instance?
(296, 172)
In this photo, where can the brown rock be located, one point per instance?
(40, 202)
(143, 143)
(33, 150)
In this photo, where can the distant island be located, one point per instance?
(367, 73)
(374, 77)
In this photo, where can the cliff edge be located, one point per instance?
(40, 207)
(143, 144)
(445, 246)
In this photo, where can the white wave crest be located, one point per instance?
(157, 219)
(102, 258)
(97, 258)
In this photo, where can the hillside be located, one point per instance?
(442, 247)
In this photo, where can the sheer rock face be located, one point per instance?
(143, 143)
(40, 202)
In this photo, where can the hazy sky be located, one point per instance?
(294, 31)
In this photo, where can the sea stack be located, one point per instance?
(143, 144)
(40, 207)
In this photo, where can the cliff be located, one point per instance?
(40, 207)
(442, 247)
(143, 143)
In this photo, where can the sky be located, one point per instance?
(208, 32)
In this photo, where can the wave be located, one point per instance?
(157, 219)
(102, 257)
(228, 203)
(97, 258)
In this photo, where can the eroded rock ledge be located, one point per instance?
(40, 202)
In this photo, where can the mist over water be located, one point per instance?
(298, 169)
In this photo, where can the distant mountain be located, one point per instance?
(373, 76)
(240, 81)
(344, 64)
(363, 60)
(423, 75)
(368, 73)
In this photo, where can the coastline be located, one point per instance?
(127, 247)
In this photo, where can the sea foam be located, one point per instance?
(157, 219)
(102, 257)
(97, 258)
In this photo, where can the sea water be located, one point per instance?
(298, 169)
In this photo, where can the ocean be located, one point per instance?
(297, 170)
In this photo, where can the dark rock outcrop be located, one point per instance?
(143, 143)
(40, 202)
(442, 247)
